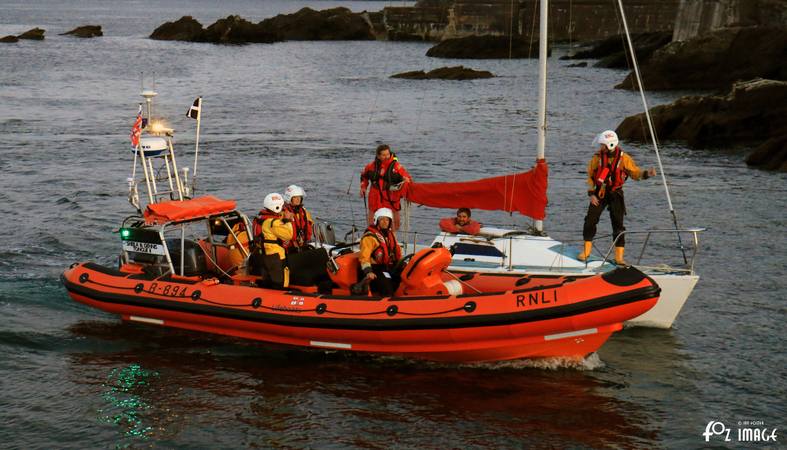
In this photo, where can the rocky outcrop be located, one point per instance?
(335, 24)
(237, 30)
(10, 39)
(36, 34)
(612, 52)
(770, 155)
(445, 73)
(753, 115)
(485, 47)
(85, 31)
(230, 30)
(306, 24)
(716, 60)
(184, 29)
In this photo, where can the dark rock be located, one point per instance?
(36, 34)
(617, 47)
(184, 29)
(237, 30)
(306, 24)
(770, 155)
(445, 73)
(85, 31)
(485, 47)
(716, 60)
(335, 24)
(579, 64)
(752, 115)
(9, 39)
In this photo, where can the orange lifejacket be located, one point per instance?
(301, 226)
(609, 176)
(388, 252)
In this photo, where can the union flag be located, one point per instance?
(136, 130)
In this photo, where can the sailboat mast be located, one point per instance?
(542, 88)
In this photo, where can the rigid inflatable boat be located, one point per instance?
(178, 267)
(188, 282)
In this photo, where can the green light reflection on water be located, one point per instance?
(125, 406)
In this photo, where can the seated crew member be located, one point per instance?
(238, 240)
(272, 228)
(379, 254)
(301, 218)
(462, 223)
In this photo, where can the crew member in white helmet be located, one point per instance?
(272, 229)
(607, 171)
(379, 254)
(301, 218)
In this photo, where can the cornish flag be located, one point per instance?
(194, 111)
(136, 130)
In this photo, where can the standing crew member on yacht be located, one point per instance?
(272, 228)
(387, 177)
(379, 254)
(607, 171)
(301, 218)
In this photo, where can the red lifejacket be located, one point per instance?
(388, 252)
(382, 176)
(609, 176)
(261, 217)
(301, 226)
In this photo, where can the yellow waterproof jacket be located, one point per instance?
(369, 244)
(627, 164)
(237, 256)
(275, 232)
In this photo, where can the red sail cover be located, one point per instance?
(524, 192)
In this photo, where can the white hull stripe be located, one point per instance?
(330, 344)
(146, 320)
(552, 337)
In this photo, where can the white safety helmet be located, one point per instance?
(273, 202)
(383, 212)
(293, 190)
(608, 139)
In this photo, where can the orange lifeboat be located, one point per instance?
(434, 315)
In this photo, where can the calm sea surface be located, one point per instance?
(311, 113)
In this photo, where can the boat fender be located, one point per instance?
(454, 287)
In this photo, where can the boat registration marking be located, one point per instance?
(552, 337)
(146, 320)
(330, 344)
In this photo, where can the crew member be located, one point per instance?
(301, 218)
(379, 254)
(607, 171)
(462, 223)
(238, 241)
(386, 176)
(272, 229)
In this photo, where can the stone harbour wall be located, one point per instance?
(696, 17)
(570, 20)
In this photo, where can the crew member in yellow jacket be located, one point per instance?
(607, 171)
(272, 229)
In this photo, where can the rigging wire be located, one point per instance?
(651, 128)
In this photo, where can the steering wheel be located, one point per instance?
(401, 264)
